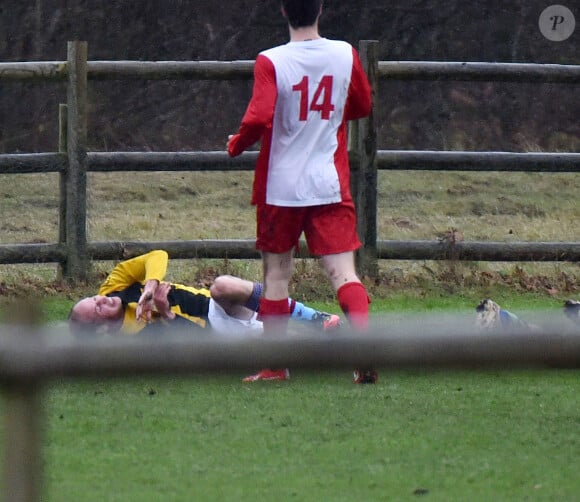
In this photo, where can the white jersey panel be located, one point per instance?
(312, 79)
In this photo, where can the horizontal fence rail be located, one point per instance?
(478, 161)
(243, 69)
(170, 161)
(467, 71)
(131, 70)
(246, 249)
(17, 163)
(419, 341)
(409, 160)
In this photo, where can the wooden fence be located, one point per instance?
(73, 160)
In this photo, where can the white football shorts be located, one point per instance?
(225, 325)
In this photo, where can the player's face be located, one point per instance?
(98, 308)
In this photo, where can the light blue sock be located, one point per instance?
(301, 312)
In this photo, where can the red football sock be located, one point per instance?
(275, 315)
(354, 302)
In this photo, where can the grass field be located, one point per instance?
(477, 436)
(440, 436)
(433, 435)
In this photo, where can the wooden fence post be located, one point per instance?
(77, 262)
(62, 182)
(23, 416)
(365, 184)
(23, 422)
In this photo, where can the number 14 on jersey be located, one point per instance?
(321, 101)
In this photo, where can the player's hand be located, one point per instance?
(161, 301)
(145, 304)
(230, 138)
(144, 308)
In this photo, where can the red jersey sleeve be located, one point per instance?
(260, 111)
(358, 101)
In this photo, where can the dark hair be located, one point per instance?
(301, 13)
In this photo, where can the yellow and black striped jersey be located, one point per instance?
(127, 280)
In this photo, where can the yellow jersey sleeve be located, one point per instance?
(152, 265)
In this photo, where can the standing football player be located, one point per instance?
(304, 93)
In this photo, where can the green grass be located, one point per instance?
(477, 436)
(435, 435)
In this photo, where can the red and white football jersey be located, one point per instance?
(304, 92)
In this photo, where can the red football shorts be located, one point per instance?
(329, 229)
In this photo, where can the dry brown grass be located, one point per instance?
(411, 205)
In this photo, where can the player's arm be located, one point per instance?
(358, 101)
(260, 111)
(148, 269)
(143, 268)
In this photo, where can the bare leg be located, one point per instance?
(277, 274)
(340, 268)
(274, 306)
(353, 299)
(232, 293)
(240, 299)
(351, 293)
